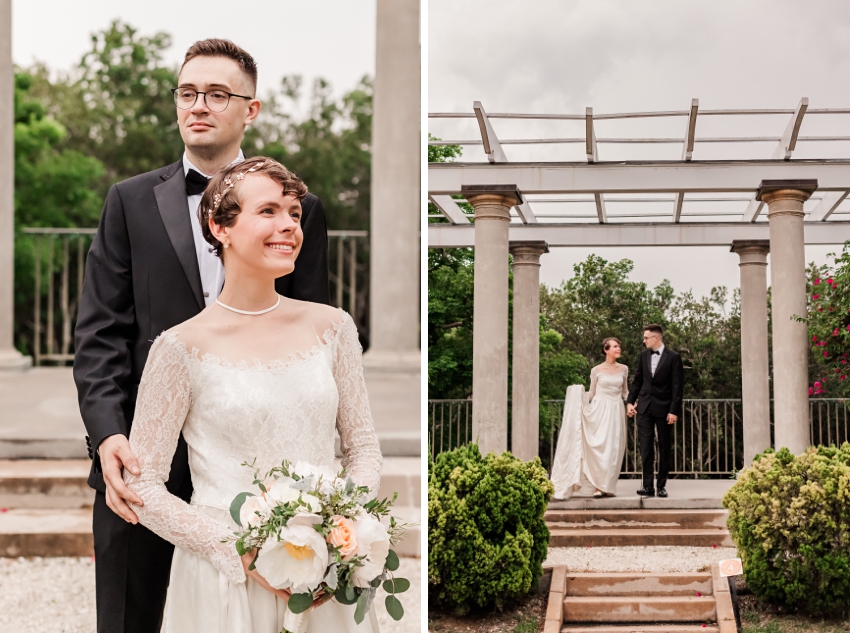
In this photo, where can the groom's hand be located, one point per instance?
(671, 419)
(630, 410)
(115, 455)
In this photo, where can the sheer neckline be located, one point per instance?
(295, 358)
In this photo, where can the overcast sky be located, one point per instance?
(560, 56)
(333, 39)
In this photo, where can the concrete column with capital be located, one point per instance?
(492, 205)
(785, 200)
(755, 370)
(10, 358)
(395, 213)
(525, 407)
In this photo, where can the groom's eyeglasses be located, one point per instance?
(216, 100)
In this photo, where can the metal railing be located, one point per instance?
(59, 266)
(707, 441)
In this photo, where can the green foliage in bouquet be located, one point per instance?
(790, 519)
(487, 538)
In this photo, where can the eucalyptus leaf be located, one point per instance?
(253, 564)
(300, 602)
(331, 578)
(342, 598)
(396, 585)
(392, 561)
(360, 611)
(236, 506)
(394, 608)
(304, 485)
(376, 582)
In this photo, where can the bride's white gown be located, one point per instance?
(230, 413)
(592, 440)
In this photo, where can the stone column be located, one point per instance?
(785, 200)
(492, 206)
(395, 216)
(525, 408)
(10, 358)
(755, 370)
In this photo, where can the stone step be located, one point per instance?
(632, 584)
(642, 628)
(618, 537)
(46, 532)
(46, 483)
(680, 519)
(639, 609)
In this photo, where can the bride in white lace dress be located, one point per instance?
(255, 375)
(592, 440)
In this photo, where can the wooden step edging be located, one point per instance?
(726, 622)
(555, 605)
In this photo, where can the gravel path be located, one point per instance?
(656, 559)
(56, 595)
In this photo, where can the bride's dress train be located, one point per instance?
(230, 413)
(592, 440)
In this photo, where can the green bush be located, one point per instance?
(487, 539)
(790, 519)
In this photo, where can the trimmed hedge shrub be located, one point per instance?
(790, 519)
(487, 539)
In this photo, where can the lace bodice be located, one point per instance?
(609, 381)
(230, 413)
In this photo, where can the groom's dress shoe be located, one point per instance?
(662, 492)
(646, 492)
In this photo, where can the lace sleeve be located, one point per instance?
(165, 398)
(361, 452)
(594, 378)
(625, 381)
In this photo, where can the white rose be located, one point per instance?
(304, 469)
(281, 491)
(310, 502)
(373, 542)
(298, 561)
(254, 512)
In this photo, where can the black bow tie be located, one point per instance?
(656, 352)
(195, 183)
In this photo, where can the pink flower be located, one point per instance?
(817, 384)
(817, 282)
(823, 343)
(810, 391)
(829, 281)
(843, 377)
(820, 309)
(814, 337)
(816, 297)
(848, 325)
(825, 353)
(843, 361)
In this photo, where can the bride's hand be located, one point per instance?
(280, 593)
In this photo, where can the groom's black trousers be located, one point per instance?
(647, 426)
(132, 564)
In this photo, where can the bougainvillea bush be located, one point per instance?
(790, 520)
(829, 326)
(487, 539)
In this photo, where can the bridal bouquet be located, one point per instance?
(315, 534)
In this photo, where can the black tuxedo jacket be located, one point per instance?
(142, 278)
(660, 394)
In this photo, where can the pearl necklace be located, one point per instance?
(227, 307)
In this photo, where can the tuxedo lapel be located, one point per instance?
(661, 360)
(174, 209)
(647, 361)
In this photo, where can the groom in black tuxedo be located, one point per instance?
(658, 388)
(149, 269)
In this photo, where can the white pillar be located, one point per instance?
(525, 407)
(492, 206)
(785, 200)
(755, 370)
(395, 218)
(10, 358)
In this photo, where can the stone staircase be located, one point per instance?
(45, 505)
(645, 603)
(623, 527)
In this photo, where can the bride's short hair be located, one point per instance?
(221, 198)
(607, 343)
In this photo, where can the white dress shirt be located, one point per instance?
(212, 270)
(655, 358)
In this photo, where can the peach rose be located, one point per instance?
(342, 536)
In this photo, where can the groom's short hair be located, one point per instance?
(214, 47)
(654, 328)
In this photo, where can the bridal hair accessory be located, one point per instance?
(230, 185)
(227, 307)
